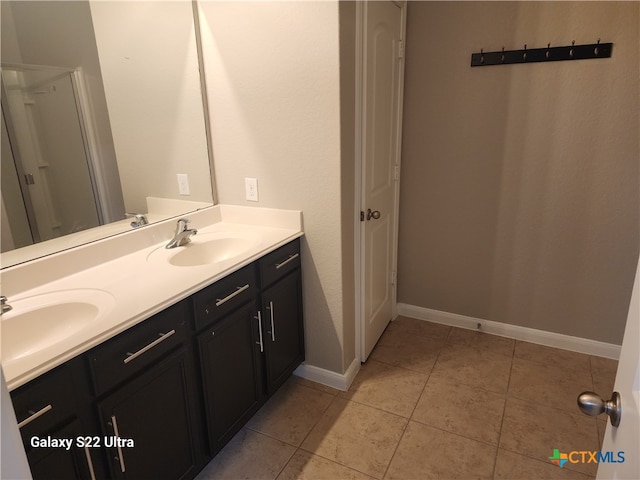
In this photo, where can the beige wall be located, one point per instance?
(274, 87)
(520, 183)
(152, 84)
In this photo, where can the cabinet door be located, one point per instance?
(57, 405)
(282, 324)
(156, 412)
(229, 354)
(60, 463)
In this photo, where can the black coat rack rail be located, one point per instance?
(548, 54)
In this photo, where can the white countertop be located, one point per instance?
(133, 278)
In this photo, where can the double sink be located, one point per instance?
(39, 327)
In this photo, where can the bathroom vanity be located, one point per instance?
(159, 397)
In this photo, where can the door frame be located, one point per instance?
(360, 95)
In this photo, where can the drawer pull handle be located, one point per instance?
(239, 290)
(163, 337)
(290, 259)
(273, 330)
(34, 415)
(259, 317)
(117, 433)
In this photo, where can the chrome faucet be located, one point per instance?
(183, 234)
(140, 220)
(5, 306)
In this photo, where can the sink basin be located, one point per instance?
(39, 323)
(208, 248)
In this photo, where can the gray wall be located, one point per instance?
(520, 183)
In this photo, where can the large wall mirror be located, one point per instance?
(102, 118)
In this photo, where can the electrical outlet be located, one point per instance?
(183, 184)
(251, 189)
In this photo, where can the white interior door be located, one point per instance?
(626, 437)
(382, 71)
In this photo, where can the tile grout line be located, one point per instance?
(407, 419)
(320, 417)
(386, 471)
(435, 427)
(557, 409)
(593, 378)
(297, 447)
(504, 411)
(593, 389)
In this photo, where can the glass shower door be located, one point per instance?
(49, 157)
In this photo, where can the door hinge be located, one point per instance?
(394, 277)
(361, 216)
(401, 49)
(28, 178)
(396, 172)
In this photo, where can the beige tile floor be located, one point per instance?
(431, 402)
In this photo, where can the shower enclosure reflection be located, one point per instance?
(48, 149)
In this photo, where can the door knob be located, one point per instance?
(591, 403)
(375, 214)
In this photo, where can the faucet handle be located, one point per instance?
(140, 219)
(5, 306)
(182, 224)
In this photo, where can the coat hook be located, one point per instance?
(573, 42)
(524, 55)
(502, 57)
(482, 56)
(596, 50)
(548, 53)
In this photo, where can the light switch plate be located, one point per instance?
(183, 184)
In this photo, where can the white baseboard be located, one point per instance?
(541, 337)
(341, 381)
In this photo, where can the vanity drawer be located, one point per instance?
(224, 296)
(137, 348)
(44, 404)
(277, 264)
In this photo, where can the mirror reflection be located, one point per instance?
(102, 120)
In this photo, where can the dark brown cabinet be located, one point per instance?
(281, 307)
(231, 374)
(254, 340)
(160, 399)
(145, 384)
(56, 406)
(52, 463)
(150, 423)
(283, 339)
